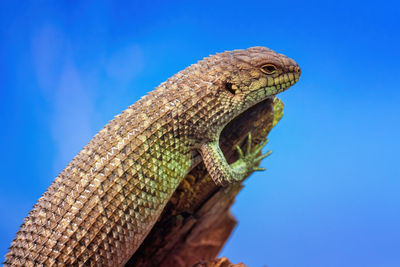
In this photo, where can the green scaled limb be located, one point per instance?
(221, 172)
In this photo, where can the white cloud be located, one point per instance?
(72, 117)
(70, 99)
(125, 64)
(48, 52)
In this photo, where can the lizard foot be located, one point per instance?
(250, 160)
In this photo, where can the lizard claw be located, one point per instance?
(252, 157)
(263, 156)
(240, 152)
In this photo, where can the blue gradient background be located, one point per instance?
(330, 196)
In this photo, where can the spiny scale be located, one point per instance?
(103, 204)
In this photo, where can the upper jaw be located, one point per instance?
(283, 83)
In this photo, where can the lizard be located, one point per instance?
(100, 208)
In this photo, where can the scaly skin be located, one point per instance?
(103, 204)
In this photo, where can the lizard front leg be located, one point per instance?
(223, 173)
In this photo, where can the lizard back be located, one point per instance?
(102, 205)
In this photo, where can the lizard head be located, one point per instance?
(254, 74)
(223, 85)
(239, 79)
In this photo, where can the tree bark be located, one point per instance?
(197, 221)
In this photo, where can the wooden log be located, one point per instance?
(197, 221)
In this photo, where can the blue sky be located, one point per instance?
(330, 195)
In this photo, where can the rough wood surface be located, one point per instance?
(197, 221)
(222, 262)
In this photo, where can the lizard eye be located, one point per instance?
(268, 69)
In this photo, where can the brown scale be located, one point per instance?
(103, 204)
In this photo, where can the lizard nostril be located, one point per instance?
(297, 69)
